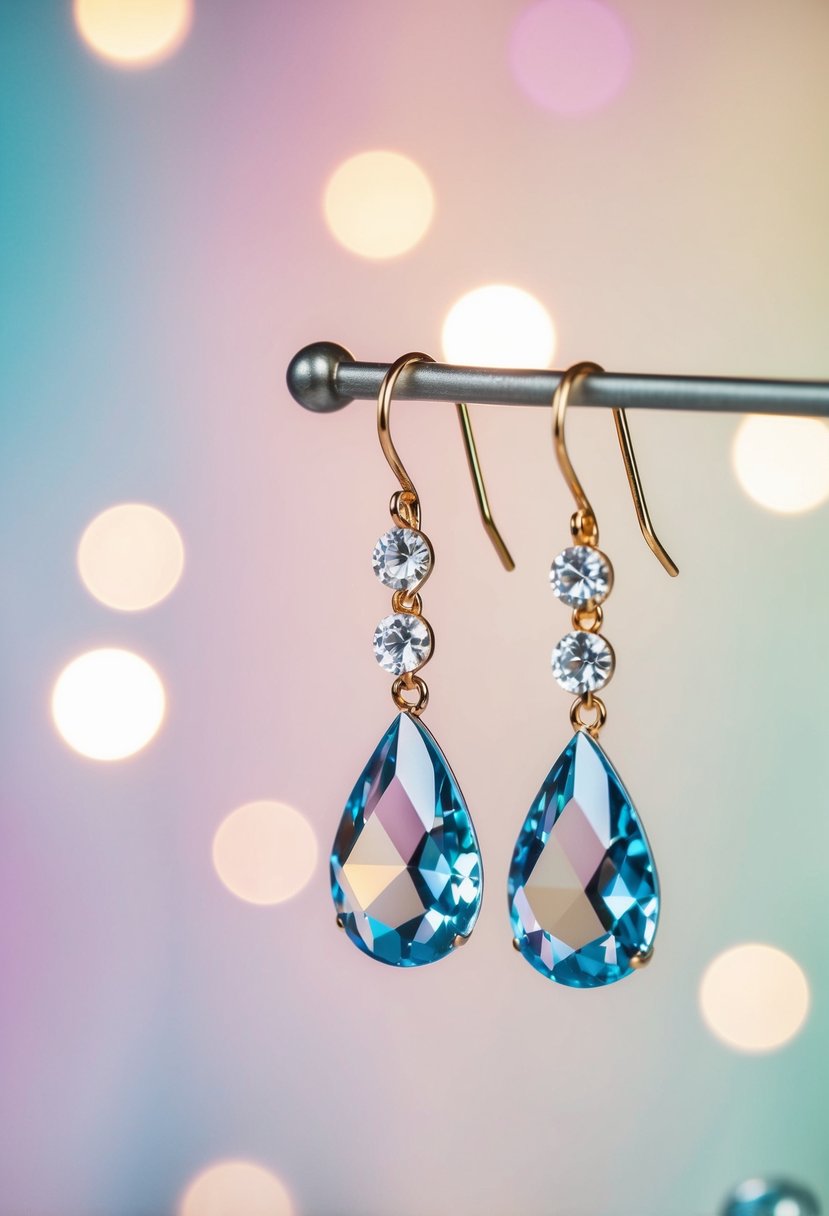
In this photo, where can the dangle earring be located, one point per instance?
(583, 891)
(406, 874)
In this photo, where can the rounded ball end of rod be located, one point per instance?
(312, 376)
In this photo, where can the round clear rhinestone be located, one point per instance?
(402, 558)
(583, 662)
(581, 576)
(402, 642)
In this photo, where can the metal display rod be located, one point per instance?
(324, 377)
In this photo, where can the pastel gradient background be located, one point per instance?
(165, 252)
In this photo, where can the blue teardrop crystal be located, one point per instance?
(406, 872)
(583, 891)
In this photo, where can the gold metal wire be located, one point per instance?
(588, 619)
(410, 683)
(405, 503)
(480, 488)
(583, 524)
(407, 601)
(641, 960)
(405, 512)
(588, 701)
(404, 509)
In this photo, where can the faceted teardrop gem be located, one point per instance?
(406, 872)
(583, 891)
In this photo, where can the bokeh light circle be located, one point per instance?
(570, 56)
(754, 997)
(107, 704)
(378, 204)
(499, 326)
(236, 1188)
(782, 463)
(265, 852)
(133, 33)
(771, 1197)
(130, 556)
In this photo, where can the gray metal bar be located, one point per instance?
(324, 377)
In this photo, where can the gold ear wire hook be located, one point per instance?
(480, 489)
(583, 524)
(405, 503)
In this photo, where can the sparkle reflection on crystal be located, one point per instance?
(402, 642)
(583, 892)
(581, 576)
(582, 661)
(406, 872)
(402, 558)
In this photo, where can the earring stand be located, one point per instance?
(324, 377)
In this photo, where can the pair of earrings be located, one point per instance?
(406, 872)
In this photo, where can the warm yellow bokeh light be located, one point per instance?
(378, 204)
(236, 1188)
(783, 463)
(131, 556)
(108, 704)
(754, 997)
(265, 852)
(133, 33)
(499, 326)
